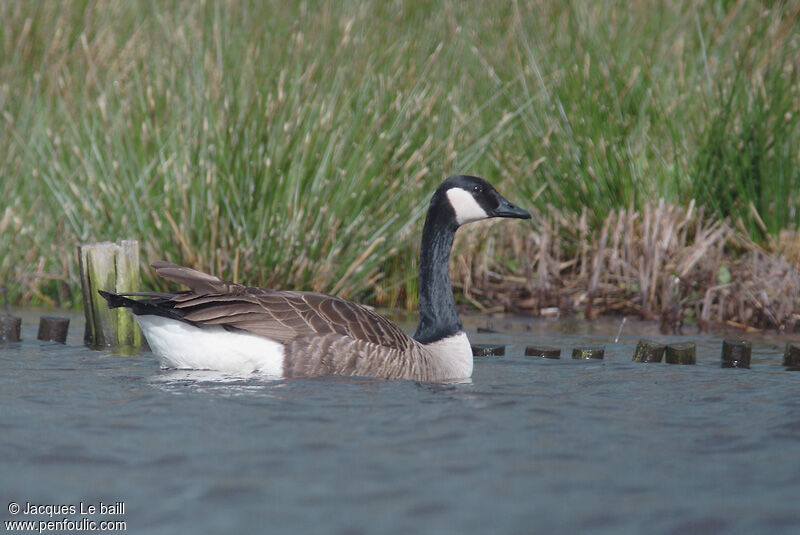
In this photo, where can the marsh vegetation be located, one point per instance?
(296, 144)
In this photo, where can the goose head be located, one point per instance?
(470, 198)
(457, 201)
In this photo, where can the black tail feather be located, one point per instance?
(158, 305)
(114, 300)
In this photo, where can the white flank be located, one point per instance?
(465, 206)
(455, 352)
(181, 345)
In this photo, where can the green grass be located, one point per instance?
(297, 146)
(746, 163)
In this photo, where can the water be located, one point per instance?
(529, 445)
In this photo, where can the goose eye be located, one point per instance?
(477, 188)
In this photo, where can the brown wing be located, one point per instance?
(197, 281)
(280, 315)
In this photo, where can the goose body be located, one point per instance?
(229, 327)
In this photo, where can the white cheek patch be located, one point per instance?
(465, 206)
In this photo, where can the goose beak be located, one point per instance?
(507, 209)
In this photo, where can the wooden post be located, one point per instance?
(114, 268)
(589, 352)
(681, 353)
(487, 350)
(9, 328)
(648, 351)
(736, 353)
(53, 328)
(791, 356)
(548, 352)
(127, 263)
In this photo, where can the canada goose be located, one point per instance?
(224, 326)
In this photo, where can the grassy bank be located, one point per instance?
(297, 146)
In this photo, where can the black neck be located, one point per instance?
(438, 317)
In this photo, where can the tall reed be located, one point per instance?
(296, 144)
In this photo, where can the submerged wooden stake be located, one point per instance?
(115, 268)
(548, 352)
(681, 353)
(791, 356)
(9, 328)
(53, 328)
(736, 353)
(589, 352)
(649, 351)
(486, 350)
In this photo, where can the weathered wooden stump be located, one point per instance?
(9, 328)
(649, 351)
(791, 356)
(681, 353)
(53, 328)
(589, 352)
(736, 353)
(548, 352)
(113, 267)
(486, 350)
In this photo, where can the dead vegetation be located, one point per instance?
(676, 264)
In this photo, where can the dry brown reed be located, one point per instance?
(677, 264)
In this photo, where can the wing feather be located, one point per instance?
(280, 315)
